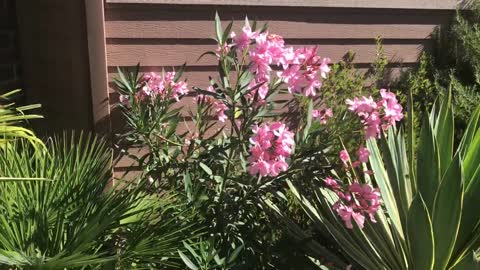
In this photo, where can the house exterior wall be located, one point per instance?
(69, 50)
(9, 53)
(55, 63)
(159, 35)
(165, 33)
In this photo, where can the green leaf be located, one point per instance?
(226, 33)
(469, 262)
(309, 119)
(447, 211)
(218, 29)
(444, 130)
(205, 168)
(428, 162)
(187, 261)
(384, 184)
(235, 254)
(472, 129)
(420, 235)
(470, 213)
(411, 142)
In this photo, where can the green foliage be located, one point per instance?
(10, 118)
(429, 218)
(76, 220)
(453, 63)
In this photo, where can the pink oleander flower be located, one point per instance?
(344, 157)
(376, 116)
(243, 40)
(324, 68)
(155, 85)
(362, 106)
(217, 105)
(356, 202)
(124, 99)
(331, 183)
(300, 70)
(363, 154)
(220, 109)
(392, 109)
(272, 144)
(322, 115)
(347, 213)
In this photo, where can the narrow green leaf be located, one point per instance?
(187, 261)
(428, 170)
(411, 142)
(469, 262)
(205, 168)
(472, 129)
(226, 33)
(309, 119)
(447, 211)
(470, 214)
(384, 184)
(218, 28)
(444, 129)
(420, 235)
(235, 254)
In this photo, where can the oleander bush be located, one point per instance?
(272, 114)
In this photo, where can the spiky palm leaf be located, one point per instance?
(75, 220)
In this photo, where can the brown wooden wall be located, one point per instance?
(55, 62)
(9, 53)
(163, 35)
(167, 35)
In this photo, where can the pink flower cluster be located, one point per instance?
(322, 115)
(376, 115)
(155, 85)
(355, 202)
(362, 155)
(272, 145)
(300, 67)
(218, 106)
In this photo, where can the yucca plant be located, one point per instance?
(430, 193)
(77, 220)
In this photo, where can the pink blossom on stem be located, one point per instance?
(155, 86)
(355, 203)
(332, 183)
(220, 109)
(392, 109)
(124, 99)
(243, 40)
(344, 157)
(324, 68)
(363, 154)
(272, 144)
(322, 115)
(376, 116)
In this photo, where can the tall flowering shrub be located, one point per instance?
(241, 141)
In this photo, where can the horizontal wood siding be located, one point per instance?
(162, 35)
